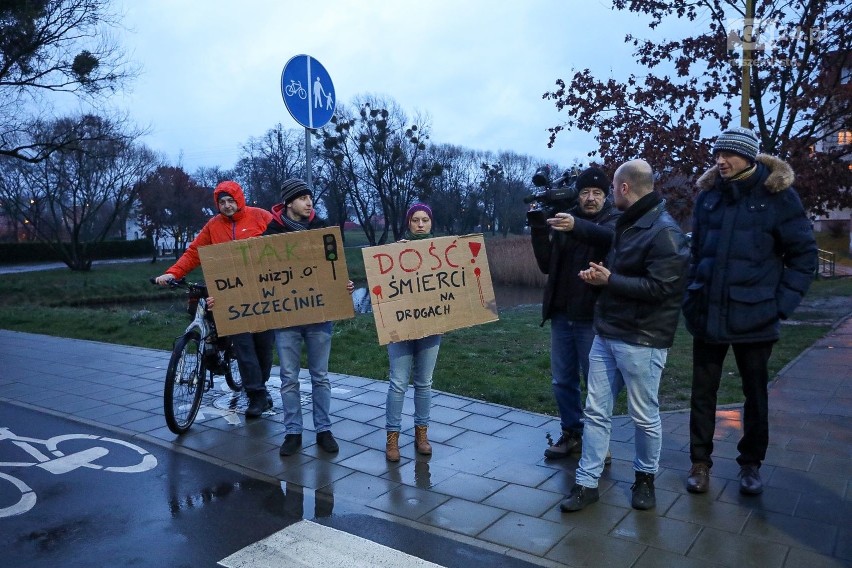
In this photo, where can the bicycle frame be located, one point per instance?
(200, 322)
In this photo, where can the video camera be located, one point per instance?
(557, 195)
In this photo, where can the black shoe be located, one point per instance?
(258, 404)
(699, 478)
(578, 498)
(326, 441)
(291, 445)
(750, 482)
(643, 492)
(568, 443)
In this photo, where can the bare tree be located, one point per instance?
(381, 155)
(798, 98)
(172, 204)
(78, 194)
(210, 177)
(49, 47)
(268, 160)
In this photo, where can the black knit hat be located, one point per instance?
(293, 188)
(741, 141)
(593, 177)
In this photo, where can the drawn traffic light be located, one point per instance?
(329, 244)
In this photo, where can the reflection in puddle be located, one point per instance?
(422, 477)
(320, 501)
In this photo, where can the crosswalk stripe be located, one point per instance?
(306, 544)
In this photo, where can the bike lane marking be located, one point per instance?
(57, 462)
(71, 462)
(26, 502)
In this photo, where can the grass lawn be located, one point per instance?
(505, 362)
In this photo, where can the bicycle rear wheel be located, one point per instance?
(185, 379)
(232, 374)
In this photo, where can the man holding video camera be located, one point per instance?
(564, 244)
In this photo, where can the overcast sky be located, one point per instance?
(211, 69)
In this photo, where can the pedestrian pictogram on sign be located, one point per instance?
(308, 91)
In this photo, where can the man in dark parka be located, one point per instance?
(753, 256)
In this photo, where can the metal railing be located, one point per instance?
(825, 268)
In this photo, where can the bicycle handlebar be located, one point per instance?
(176, 283)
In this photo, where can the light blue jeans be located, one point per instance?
(614, 365)
(317, 339)
(413, 359)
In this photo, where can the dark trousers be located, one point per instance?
(254, 357)
(752, 360)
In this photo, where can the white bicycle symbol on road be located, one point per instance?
(57, 461)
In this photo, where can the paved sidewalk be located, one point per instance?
(487, 483)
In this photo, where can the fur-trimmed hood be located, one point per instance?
(781, 175)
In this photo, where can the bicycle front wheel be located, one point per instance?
(184, 383)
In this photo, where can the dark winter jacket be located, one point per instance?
(753, 255)
(278, 225)
(640, 304)
(563, 255)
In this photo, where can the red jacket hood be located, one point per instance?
(233, 189)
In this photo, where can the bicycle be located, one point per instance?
(58, 460)
(197, 356)
(296, 88)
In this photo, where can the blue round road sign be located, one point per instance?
(308, 91)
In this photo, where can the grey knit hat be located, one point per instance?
(740, 141)
(293, 188)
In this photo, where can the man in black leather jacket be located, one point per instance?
(563, 247)
(635, 320)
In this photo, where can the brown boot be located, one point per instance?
(421, 442)
(392, 448)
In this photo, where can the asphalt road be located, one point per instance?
(137, 505)
(74, 495)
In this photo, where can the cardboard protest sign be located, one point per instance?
(429, 286)
(277, 281)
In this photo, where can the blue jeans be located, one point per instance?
(570, 343)
(614, 365)
(415, 357)
(317, 339)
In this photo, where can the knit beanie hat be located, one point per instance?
(414, 209)
(741, 141)
(293, 188)
(593, 177)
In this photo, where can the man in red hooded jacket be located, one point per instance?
(235, 221)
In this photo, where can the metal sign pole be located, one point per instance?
(308, 159)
